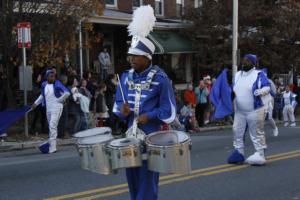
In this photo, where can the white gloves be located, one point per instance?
(262, 92)
(257, 92)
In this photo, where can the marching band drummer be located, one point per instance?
(156, 103)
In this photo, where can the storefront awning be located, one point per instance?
(170, 42)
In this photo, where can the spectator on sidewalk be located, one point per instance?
(62, 125)
(190, 96)
(111, 85)
(3, 97)
(100, 106)
(201, 93)
(185, 116)
(74, 107)
(290, 104)
(209, 110)
(278, 99)
(84, 104)
(105, 63)
(39, 114)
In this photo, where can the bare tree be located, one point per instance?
(267, 28)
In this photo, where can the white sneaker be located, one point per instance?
(293, 124)
(286, 124)
(52, 151)
(256, 159)
(206, 122)
(275, 132)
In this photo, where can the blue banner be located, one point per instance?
(220, 96)
(10, 116)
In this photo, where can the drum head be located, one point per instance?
(93, 132)
(97, 139)
(124, 142)
(167, 138)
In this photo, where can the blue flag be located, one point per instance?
(10, 117)
(220, 96)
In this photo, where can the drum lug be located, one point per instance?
(180, 152)
(149, 152)
(119, 156)
(79, 152)
(190, 146)
(164, 155)
(135, 153)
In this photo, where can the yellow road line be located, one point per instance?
(186, 178)
(104, 189)
(165, 179)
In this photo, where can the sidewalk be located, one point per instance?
(11, 146)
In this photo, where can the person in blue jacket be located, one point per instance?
(157, 105)
(53, 96)
(251, 88)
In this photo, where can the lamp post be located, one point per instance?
(235, 36)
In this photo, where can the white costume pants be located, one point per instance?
(53, 116)
(254, 122)
(288, 113)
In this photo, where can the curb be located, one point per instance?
(14, 146)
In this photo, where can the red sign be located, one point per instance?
(24, 35)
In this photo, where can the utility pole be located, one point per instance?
(80, 48)
(235, 37)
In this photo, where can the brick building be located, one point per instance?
(174, 51)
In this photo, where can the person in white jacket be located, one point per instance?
(290, 103)
(53, 96)
(251, 88)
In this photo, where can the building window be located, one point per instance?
(112, 3)
(179, 7)
(159, 7)
(198, 3)
(137, 3)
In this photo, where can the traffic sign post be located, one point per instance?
(24, 41)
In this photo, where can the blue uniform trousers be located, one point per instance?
(142, 183)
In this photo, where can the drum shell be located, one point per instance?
(94, 158)
(170, 159)
(125, 157)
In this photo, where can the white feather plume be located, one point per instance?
(143, 21)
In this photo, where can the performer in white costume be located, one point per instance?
(53, 96)
(270, 105)
(289, 106)
(251, 88)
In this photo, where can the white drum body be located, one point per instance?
(169, 152)
(93, 154)
(125, 153)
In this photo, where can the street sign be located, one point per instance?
(24, 35)
(25, 80)
(24, 41)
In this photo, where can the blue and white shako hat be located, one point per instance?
(142, 24)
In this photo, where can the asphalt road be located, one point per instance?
(28, 175)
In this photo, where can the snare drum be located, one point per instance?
(93, 155)
(169, 152)
(125, 153)
(92, 132)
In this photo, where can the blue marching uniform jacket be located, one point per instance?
(158, 103)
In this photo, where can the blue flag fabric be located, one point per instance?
(11, 116)
(220, 96)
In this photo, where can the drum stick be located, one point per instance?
(121, 88)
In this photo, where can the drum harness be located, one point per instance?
(139, 87)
